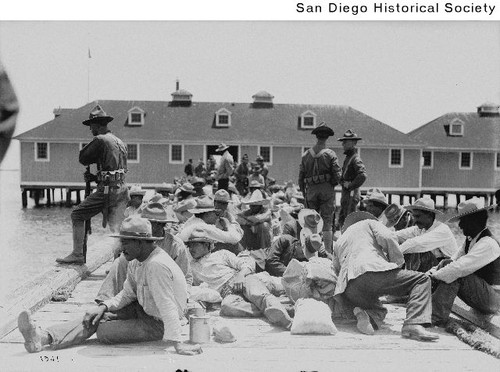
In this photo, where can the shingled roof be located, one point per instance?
(479, 132)
(195, 124)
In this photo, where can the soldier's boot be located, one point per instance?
(328, 239)
(276, 313)
(76, 257)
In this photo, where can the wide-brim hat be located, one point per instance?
(310, 219)
(313, 240)
(471, 206)
(222, 147)
(376, 195)
(204, 204)
(201, 233)
(196, 180)
(392, 214)
(349, 135)
(424, 204)
(222, 196)
(187, 187)
(232, 188)
(255, 184)
(171, 215)
(155, 212)
(323, 130)
(136, 228)
(136, 190)
(257, 198)
(356, 217)
(97, 115)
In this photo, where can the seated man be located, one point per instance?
(429, 241)
(374, 202)
(368, 263)
(136, 195)
(256, 222)
(224, 208)
(166, 190)
(185, 201)
(198, 184)
(156, 214)
(286, 247)
(474, 276)
(229, 274)
(149, 314)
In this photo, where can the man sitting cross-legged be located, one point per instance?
(229, 274)
(148, 308)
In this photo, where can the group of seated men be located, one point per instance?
(240, 247)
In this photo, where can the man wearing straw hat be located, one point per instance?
(158, 216)
(429, 241)
(185, 201)
(353, 175)
(368, 262)
(319, 173)
(150, 314)
(474, 275)
(256, 222)
(111, 195)
(226, 167)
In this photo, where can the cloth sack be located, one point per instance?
(294, 281)
(312, 316)
(203, 293)
(320, 278)
(222, 333)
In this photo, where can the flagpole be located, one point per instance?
(88, 76)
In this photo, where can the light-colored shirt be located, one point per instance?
(366, 246)
(480, 254)
(217, 268)
(159, 286)
(176, 249)
(231, 236)
(438, 238)
(226, 166)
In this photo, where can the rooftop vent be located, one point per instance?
(488, 109)
(181, 97)
(57, 112)
(262, 99)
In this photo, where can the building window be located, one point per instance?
(132, 153)
(267, 153)
(395, 158)
(136, 116)
(223, 118)
(465, 160)
(456, 128)
(176, 154)
(308, 120)
(427, 157)
(42, 151)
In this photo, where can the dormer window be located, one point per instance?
(456, 128)
(223, 118)
(308, 120)
(136, 116)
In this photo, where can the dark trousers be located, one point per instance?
(471, 289)
(365, 290)
(223, 183)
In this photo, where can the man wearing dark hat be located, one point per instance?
(226, 167)
(111, 196)
(319, 173)
(474, 275)
(353, 175)
(148, 308)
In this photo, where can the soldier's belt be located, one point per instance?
(111, 176)
(314, 180)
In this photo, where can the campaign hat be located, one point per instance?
(349, 135)
(97, 115)
(323, 130)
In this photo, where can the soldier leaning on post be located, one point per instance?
(111, 196)
(318, 175)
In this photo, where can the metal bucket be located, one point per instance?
(199, 329)
(196, 311)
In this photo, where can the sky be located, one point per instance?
(403, 73)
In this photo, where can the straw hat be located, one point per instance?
(424, 204)
(391, 215)
(201, 234)
(137, 228)
(471, 206)
(222, 196)
(255, 184)
(222, 147)
(310, 219)
(355, 217)
(311, 244)
(97, 115)
(187, 187)
(349, 135)
(256, 199)
(136, 190)
(155, 212)
(204, 204)
(196, 180)
(376, 195)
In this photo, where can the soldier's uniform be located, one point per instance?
(319, 173)
(111, 195)
(353, 176)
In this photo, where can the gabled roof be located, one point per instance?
(279, 125)
(479, 132)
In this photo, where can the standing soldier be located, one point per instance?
(318, 175)
(353, 175)
(226, 167)
(241, 173)
(264, 169)
(111, 195)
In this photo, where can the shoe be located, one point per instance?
(71, 259)
(279, 317)
(417, 332)
(364, 324)
(31, 333)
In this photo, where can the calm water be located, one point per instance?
(31, 238)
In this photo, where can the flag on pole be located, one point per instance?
(89, 54)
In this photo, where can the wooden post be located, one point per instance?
(36, 197)
(24, 197)
(445, 201)
(68, 197)
(49, 198)
(78, 200)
